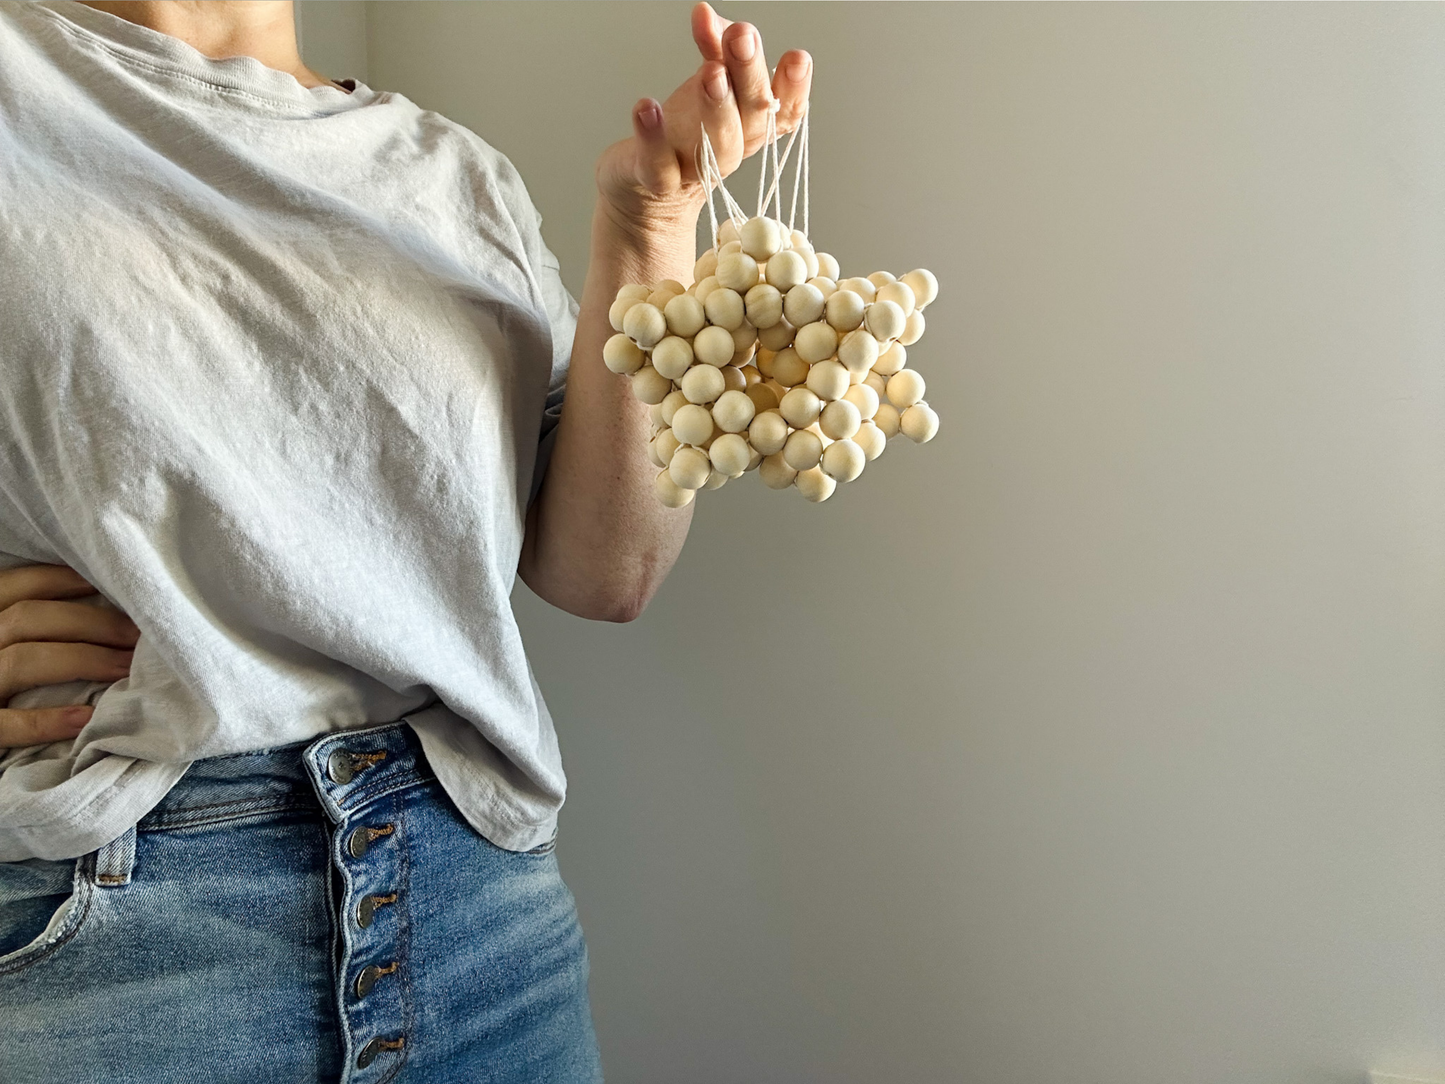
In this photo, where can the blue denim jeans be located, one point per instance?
(316, 912)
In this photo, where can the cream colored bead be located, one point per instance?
(744, 336)
(884, 320)
(878, 278)
(815, 485)
(775, 472)
(865, 399)
(800, 408)
(666, 444)
(714, 346)
(716, 479)
(622, 355)
(671, 405)
(899, 294)
(764, 362)
(919, 423)
(828, 380)
(858, 350)
(855, 377)
(789, 370)
(729, 454)
(879, 384)
(798, 239)
(659, 298)
(913, 329)
(754, 458)
(727, 231)
(704, 288)
(905, 388)
(844, 310)
(763, 397)
(843, 460)
(738, 271)
(645, 325)
(803, 305)
(764, 305)
(778, 336)
(761, 237)
(825, 286)
(652, 452)
(690, 467)
(617, 314)
(692, 424)
(862, 287)
(802, 450)
(786, 270)
(891, 360)
(743, 357)
(923, 285)
(768, 433)
(685, 315)
(649, 385)
(706, 265)
(733, 379)
(887, 419)
(634, 291)
(701, 384)
(751, 377)
(839, 420)
(776, 388)
(654, 415)
(728, 249)
(733, 411)
(816, 342)
(672, 357)
(871, 439)
(828, 266)
(810, 260)
(669, 492)
(724, 308)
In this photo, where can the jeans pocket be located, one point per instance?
(42, 906)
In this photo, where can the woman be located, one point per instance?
(282, 377)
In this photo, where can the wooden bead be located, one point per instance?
(905, 388)
(885, 320)
(728, 249)
(706, 265)
(729, 454)
(802, 450)
(800, 408)
(775, 472)
(913, 329)
(672, 357)
(892, 359)
(713, 346)
(815, 342)
(919, 423)
(724, 308)
(692, 424)
(798, 239)
(733, 379)
(743, 357)
(887, 419)
(706, 287)
(768, 433)
(652, 453)
(754, 458)
(786, 270)
(825, 286)
(764, 306)
(828, 266)
(738, 271)
(763, 397)
(701, 384)
(634, 291)
(622, 355)
(810, 260)
(878, 278)
(669, 492)
(844, 310)
(744, 336)
(815, 485)
(789, 370)
(716, 479)
(878, 383)
(751, 377)
(839, 420)
(733, 411)
(858, 351)
(764, 362)
(828, 380)
(618, 312)
(645, 325)
(865, 399)
(778, 336)
(685, 315)
(690, 467)
(649, 385)
(862, 287)
(659, 298)
(843, 460)
(654, 418)
(871, 439)
(776, 388)
(761, 237)
(667, 445)
(803, 304)
(923, 285)
(899, 294)
(727, 231)
(669, 407)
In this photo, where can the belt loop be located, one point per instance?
(115, 861)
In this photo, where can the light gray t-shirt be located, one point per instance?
(276, 364)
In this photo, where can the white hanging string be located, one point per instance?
(798, 169)
(704, 171)
(773, 148)
(710, 171)
(769, 134)
(781, 167)
(806, 184)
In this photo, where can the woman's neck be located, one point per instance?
(263, 29)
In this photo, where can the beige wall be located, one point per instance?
(1100, 739)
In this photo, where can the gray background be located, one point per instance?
(1099, 739)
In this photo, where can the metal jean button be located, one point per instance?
(361, 839)
(366, 908)
(368, 1053)
(368, 976)
(340, 767)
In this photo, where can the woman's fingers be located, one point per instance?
(27, 665)
(657, 168)
(792, 83)
(41, 726)
(41, 619)
(707, 31)
(748, 70)
(41, 581)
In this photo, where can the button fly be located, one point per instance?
(340, 767)
(366, 909)
(368, 976)
(360, 840)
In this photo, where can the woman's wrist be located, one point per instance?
(652, 240)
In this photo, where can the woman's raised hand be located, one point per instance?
(651, 179)
(45, 638)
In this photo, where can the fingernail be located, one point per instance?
(650, 115)
(717, 86)
(744, 46)
(797, 69)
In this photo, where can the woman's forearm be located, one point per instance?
(598, 542)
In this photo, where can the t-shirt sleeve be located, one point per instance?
(562, 310)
